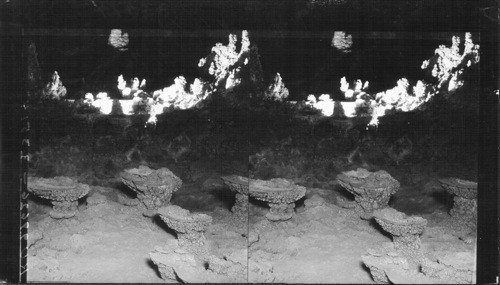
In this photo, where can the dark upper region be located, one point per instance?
(388, 15)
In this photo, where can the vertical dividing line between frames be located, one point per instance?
(24, 159)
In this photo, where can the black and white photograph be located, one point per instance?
(249, 141)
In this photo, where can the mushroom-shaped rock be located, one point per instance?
(63, 192)
(464, 200)
(189, 227)
(372, 190)
(154, 188)
(405, 230)
(280, 194)
(239, 185)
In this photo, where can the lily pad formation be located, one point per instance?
(62, 191)
(154, 188)
(189, 227)
(464, 200)
(405, 230)
(240, 186)
(280, 194)
(372, 190)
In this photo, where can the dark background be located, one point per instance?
(293, 36)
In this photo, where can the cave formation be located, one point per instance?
(246, 147)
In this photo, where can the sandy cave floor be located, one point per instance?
(110, 242)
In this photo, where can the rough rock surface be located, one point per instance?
(153, 187)
(240, 186)
(189, 227)
(63, 192)
(280, 194)
(222, 260)
(233, 265)
(387, 265)
(90, 247)
(461, 188)
(464, 201)
(455, 268)
(448, 65)
(405, 230)
(168, 259)
(372, 190)
(58, 188)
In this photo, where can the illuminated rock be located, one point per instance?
(131, 90)
(357, 90)
(325, 104)
(89, 98)
(401, 98)
(179, 96)
(448, 64)
(230, 68)
(118, 39)
(54, 89)
(221, 58)
(103, 103)
(277, 90)
(342, 41)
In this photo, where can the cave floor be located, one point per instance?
(110, 242)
